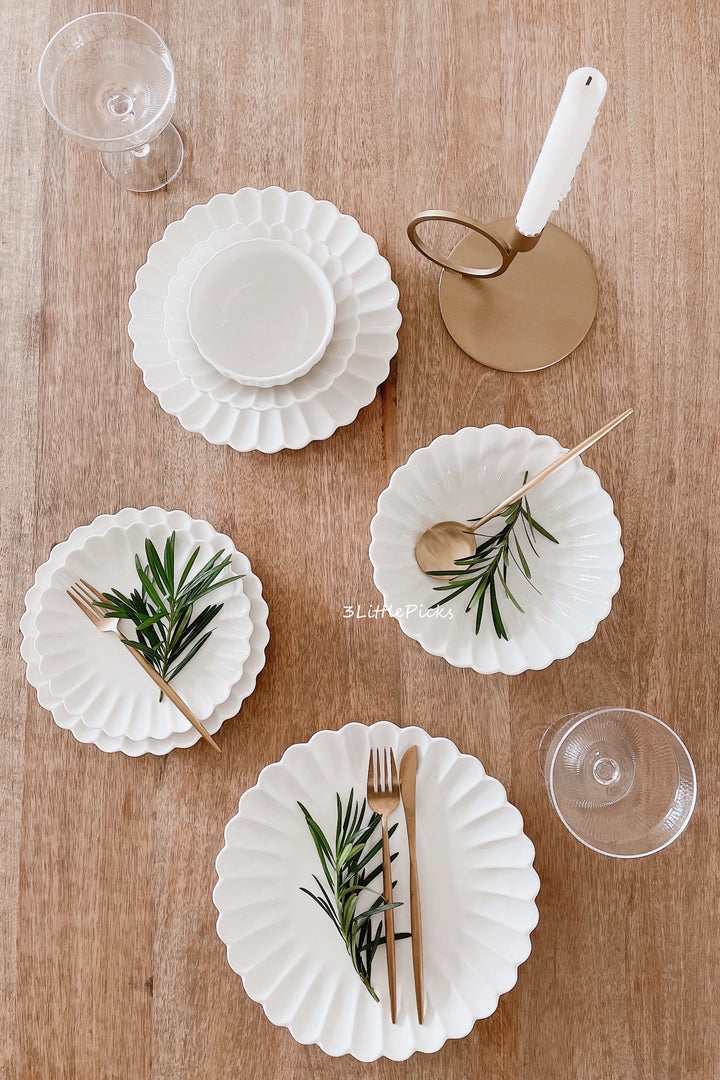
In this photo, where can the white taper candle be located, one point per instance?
(562, 150)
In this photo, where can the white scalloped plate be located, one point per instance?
(204, 377)
(300, 421)
(129, 743)
(458, 477)
(477, 886)
(95, 677)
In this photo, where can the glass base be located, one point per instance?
(620, 780)
(149, 167)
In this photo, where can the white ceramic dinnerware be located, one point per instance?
(459, 477)
(477, 884)
(290, 420)
(206, 378)
(261, 312)
(102, 695)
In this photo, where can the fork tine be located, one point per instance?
(91, 593)
(382, 773)
(393, 772)
(81, 590)
(96, 592)
(89, 612)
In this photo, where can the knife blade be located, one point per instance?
(408, 778)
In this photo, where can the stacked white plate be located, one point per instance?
(225, 409)
(89, 680)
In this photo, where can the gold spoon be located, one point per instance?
(441, 545)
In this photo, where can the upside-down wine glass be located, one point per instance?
(620, 780)
(108, 80)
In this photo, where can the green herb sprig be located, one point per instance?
(161, 607)
(347, 871)
(486, 571)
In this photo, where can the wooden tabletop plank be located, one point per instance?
(110, 965)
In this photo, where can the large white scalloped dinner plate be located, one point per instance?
(459, 477)
(477, 886)
(131, 743)
(299, 421)
(204, 377)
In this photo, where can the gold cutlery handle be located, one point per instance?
(416, 931)
(551, 468)
(389, 921)
(408, 783)
(172, 694)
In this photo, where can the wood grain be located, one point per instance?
(109, 960)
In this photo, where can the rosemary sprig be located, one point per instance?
(347, 871)
(486, 571)
(162, 605)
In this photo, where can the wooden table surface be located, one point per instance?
(109, 959)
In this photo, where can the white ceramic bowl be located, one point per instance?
(206, 378)
(261, 312)
(459, 477)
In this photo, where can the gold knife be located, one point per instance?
(408, 775)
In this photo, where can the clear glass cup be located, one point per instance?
(620, 780)
(108, 80)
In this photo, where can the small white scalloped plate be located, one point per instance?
(204, 377)
(477, 888)
(95, 677)
(127, 743)
(298, 423)
(456, 478)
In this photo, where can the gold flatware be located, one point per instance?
(84, 595)
(442, 544)
(408, 777)
(383, 796)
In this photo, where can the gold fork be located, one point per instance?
(84, 596)
(383, 796)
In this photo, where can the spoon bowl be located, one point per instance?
(441, 545)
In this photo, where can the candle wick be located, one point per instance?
(589, 80)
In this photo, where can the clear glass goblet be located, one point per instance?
(109, 82)
(620, 780)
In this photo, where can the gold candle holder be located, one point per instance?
(513, 314)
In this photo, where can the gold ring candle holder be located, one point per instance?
(515, 314)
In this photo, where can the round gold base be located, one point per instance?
(531, 316)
